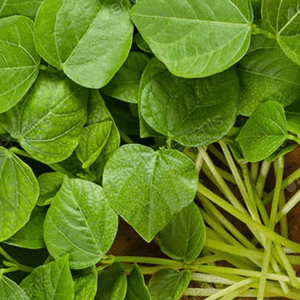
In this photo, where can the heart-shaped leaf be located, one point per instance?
(264, 132)
(169, 284)
(80, 204)
(193, 112)
(184, 237)
(147, 188)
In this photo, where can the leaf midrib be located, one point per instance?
(192, 20)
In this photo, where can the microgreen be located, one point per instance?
(170, 115)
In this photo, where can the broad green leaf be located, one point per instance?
(94, 44)
(264, 132)
(85, 284)
(195, 38)
(147, 188)
(52, 281)
(184, 237)
(282, 18)
(141, 43)
(112, 284)
(18, 194)
(193, 112)
(50, 184)
(80, 205)
(293, 117)
(125, 84)
(92, 141)
(49, 120)
(136, 287)
(98, 113)
(267, 74)
(169, 284)
(19, 7)
(19, 60)
(9, 290)
(31, 235)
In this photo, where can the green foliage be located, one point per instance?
(168, 284)
(31, 235)
(93, 28)
(184, 237)
(223, 31)
(136, 287)
(50, 281)
(85, 284)
(267, 74)
(147, 188)
(264, 132)
(112, 284)
(197, 72)
(46, 124)
(80, 204)
(18, 194)
(19, 7)
(18, 71)
(125, 84)
(193, 112)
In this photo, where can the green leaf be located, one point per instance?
(92, 141)
(267, 74)
(141, 43)
(282, 18)
(50, 184)
(193, 112)
(10, 290)
(49, 120)
(112, 284)
(31, 235)
(136, 287)
(184, 237)
(125, 84)
(293, 117)
(264, 132)
(94, 44)
(19, 7)
(147, 188)
(81, 223)
(169, 284)
(195, 38)
(85, 284)
(19, 60)
(18, 194)
(52, 281)
(98, 113)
